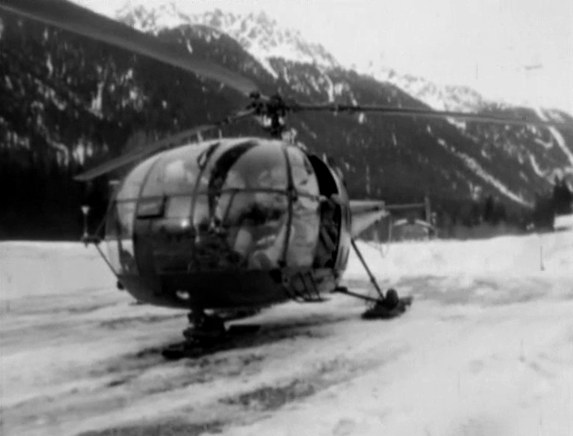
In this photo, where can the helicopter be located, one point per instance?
(228, 225)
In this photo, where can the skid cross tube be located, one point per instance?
(372, 279)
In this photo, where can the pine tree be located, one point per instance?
(562, 197)
(488, 210)
(544, 212)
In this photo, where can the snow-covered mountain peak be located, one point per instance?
(264, 38)
(151, 19)
(259, 34)
(439, 97)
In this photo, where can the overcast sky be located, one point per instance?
(519, 50)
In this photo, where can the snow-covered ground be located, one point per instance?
(486, 349)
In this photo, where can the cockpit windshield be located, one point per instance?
(241, 203)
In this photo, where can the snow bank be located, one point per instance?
(549, 254)
(43, 268)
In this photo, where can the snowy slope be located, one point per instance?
(439, 97)
(487, 348)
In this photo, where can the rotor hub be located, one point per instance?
(271, 113)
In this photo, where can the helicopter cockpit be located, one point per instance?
(246, 203)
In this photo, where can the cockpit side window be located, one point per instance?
(326, 182)
(330, 216)
(131, 186)
(119, 225)
(175, 174)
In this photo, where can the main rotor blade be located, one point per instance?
(74, 18)
(155, 147)
(428, 113)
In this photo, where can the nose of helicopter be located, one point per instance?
(248, 204)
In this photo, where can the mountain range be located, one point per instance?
(69, 103)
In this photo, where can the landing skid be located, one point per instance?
(383, 307)
(386, 307)
(383, 311)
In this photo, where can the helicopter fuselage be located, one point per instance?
(229, 223)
